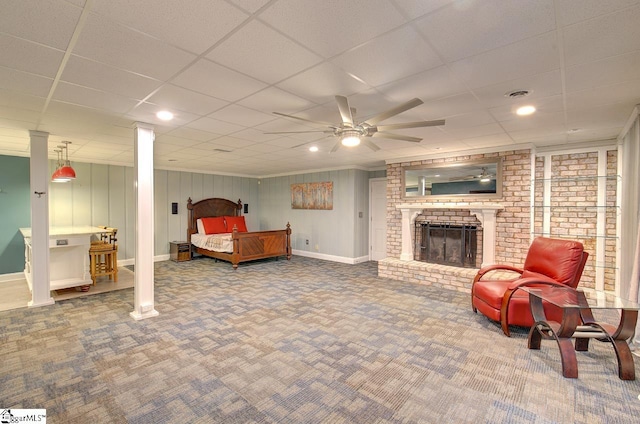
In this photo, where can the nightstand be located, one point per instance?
(179, 251)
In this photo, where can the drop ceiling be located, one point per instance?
(86, 70)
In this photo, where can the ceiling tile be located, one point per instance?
(611, 115)
(604, 36)
(250, 6)
(537, 120)
(29, 57)
(450, 106)
(416, 8)
(316, 24)
(172, 98)
(573, 11)
(255, 135)
(487, 24)
(278, 56)
(217, 81)
(193, 25)
(607, 71)
(232, 143)
(88, 97)
(530, 134)
(146, 112)
(193, 134)
(539, 86)
(50, 23)
(107, 42)
(465, 120)
(428, 85)
(215, 126)
(389, 57)
(240, 115)
(19, 107)
(552, 105)
(477, 131)
(531, 56)
(628, 91)
(495, 140)
(23, 82)
(328, 81)
(171, 140)
(273, 99)
(98, 76)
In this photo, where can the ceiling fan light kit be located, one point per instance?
(351, 133)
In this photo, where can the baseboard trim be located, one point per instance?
(332, 258)
(11, 277)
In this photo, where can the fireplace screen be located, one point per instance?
(446, 244)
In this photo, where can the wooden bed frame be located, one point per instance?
(246, 246)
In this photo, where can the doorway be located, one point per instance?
(378, 215)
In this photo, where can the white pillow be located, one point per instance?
(200, 226)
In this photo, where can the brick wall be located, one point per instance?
(573, 214)
(512, 223)
(573, 210)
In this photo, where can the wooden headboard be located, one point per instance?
(209, 207)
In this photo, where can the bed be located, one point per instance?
(236, 246)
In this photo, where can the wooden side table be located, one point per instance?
(179, 251)
(579, 324)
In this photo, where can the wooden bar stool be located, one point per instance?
(103, 255)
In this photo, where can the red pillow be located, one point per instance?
(238, 221)
(214, 225)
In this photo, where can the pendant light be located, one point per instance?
(64, 173)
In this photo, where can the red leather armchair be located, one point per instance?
(548, 262)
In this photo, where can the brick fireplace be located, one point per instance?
(503, 223)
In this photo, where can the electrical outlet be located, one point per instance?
(307, 242)
(317, 248)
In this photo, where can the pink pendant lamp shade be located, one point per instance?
(64, 173)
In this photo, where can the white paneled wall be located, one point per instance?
(338, 232)
(104, 195)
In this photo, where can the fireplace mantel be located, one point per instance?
(485, 212)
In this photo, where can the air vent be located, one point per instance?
(517, 93)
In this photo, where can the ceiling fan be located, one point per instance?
(484, 177)
(351, 132)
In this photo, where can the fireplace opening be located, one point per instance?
(455, 245)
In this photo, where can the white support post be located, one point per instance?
(487, 218)
(408, 217)
(144, 274)
(39, 176)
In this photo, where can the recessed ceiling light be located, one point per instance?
(313, 148)
(165, 115)
(525, 110)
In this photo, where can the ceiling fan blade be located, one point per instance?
(299, 132)
(336, 147)
(370, 144)
(396, 137)
(304, 119)
(345, 110)
(394, 111)
(411, 125)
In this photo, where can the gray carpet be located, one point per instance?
(300, 341)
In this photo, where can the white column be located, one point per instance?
(408, 216)
(487, 218)
(144, 274)
(39, 177)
